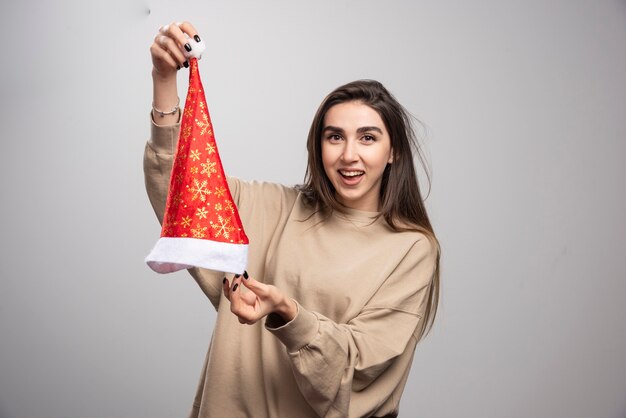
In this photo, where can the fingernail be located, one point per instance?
(188, 47)
(235, 286)
(245, 275)
(178, 67)
(237, 276)
(224, 281)
(196, 38)
(186, 64)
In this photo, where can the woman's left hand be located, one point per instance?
(252, 300)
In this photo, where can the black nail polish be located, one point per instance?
(188, 47)
(178, 67)
(235, 287)
(186, 64)
(245, 275)
(237, 276)
(196, 38)
(224, 281)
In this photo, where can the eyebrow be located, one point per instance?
(359, 130)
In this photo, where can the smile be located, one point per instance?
(351, 173)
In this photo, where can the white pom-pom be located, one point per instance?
(197, 48)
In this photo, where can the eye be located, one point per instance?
(334, 138)
(368, 139)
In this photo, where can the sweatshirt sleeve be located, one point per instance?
(157, 164)
(369, 356)
(157, 167)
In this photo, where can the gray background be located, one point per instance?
(524, 112)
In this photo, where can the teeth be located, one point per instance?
(350, 173)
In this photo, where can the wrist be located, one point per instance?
(165, 102)
(163, 77)
(286, 310)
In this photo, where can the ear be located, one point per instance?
(390, 160)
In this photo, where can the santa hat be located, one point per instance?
(201, 226)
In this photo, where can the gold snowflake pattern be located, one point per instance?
(193, 170)
(210, 148)
(188, 113)
(208, 168)
(168, 227)
(204, 124)
(222, 227)
(230, 207)
(202, 212)
(218, 206)
(220, 191)
(186, 132)
(179, 177)
(181, 157)
(186, 221)
(177, 199)
(195, 155)
(199, 231)
(199, 190)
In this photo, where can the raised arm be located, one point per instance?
(167, 59)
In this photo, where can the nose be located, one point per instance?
(349, 152)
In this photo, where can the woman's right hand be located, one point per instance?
(168, 46)
(167, 58)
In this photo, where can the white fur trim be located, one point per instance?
(173, 254)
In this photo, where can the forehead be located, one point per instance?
(353, 115)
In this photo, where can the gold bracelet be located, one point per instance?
(171, 112)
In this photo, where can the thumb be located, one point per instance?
(260, 289)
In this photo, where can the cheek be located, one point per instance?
(378, 160)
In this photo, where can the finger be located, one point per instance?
(161, 55)
(226, 288)
(235, 295)
(194, 47)
(245, 321)
(259, 289)
(190, 30)
(241, 302)
(175, 32)
(247, 296)
(171, 47)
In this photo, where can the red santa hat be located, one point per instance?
(201, 226)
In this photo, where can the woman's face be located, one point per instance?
(356, 148)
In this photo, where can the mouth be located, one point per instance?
(351, 178)
(351, 174)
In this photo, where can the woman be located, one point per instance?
(344, 270)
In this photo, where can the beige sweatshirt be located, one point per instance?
(361, 290)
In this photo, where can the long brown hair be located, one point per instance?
(402, 205)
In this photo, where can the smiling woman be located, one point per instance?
(344, 269)
(356, 149)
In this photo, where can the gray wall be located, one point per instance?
(524, 104)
